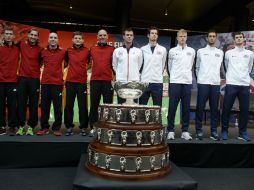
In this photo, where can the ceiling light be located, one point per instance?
(70, 5)
(166, 12)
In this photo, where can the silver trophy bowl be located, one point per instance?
(129, 90)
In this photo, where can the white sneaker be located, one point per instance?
(91, 133)
(171, 136)
(186, 136)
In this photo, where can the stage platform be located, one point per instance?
(51, 151)
(31, 160)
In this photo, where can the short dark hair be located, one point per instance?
(211, 31)
(77, 33)
(152, 28)
(33, 29)
(8, 28)
(237, 33)
(128, 29)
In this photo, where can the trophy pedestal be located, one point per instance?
(85, 180)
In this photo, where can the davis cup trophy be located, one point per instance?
(129, 142)
(129, 90)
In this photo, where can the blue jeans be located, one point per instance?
(242, 93)
(211, 93)
(155, 90)
(179, 92)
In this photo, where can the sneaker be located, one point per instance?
(224, 135)
(42, 132)
(69, 132)
(83, 132)
(2, 131)
(214, 136)
(11, 131)
(29, 131)
(171, 136)
(199, 136)
(20, 131)
(186, 136)
(91, 133)
(58, 133)
(244, 137)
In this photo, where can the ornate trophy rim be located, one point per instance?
(129, 90)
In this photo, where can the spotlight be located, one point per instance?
(70, 5)
(166, 12)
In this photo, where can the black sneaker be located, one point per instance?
(11, 131)
(83, 132)
(224, 135)
(199, 136)
(214, 136)
(244, 137)
(2, 130)
(69, 132)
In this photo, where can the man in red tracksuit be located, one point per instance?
(29, 82)
(77, 58)
(9, 59)
(52, 85)
(100, 84)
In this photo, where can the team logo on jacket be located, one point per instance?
(246, 56)
(217, 55)
(120, 53)
(189, 53)
(159, 52)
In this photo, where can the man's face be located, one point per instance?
(128, 37)
(153, 35)
(102, 37)
(8, 35)
(211, 38)
(239, 39)
(53, 39)
(182, 38)
(33, 37)
(78, 40)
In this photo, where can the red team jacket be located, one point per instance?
(53, 66)
(9, 61)
(30, 60)
(101, 62)
(77, 61)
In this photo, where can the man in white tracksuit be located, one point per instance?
(155, 57)
(208, 70)
(127, 60)
(238, 64)
(180, 62)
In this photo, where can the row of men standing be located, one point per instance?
(27, 85)
(238, 64)
(128, 62)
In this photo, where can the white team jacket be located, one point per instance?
(126, 65)
(154, 63)
(180, 62)
(208, 65)
(238, 62)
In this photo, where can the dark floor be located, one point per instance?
(222, 178)
(62, 178)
